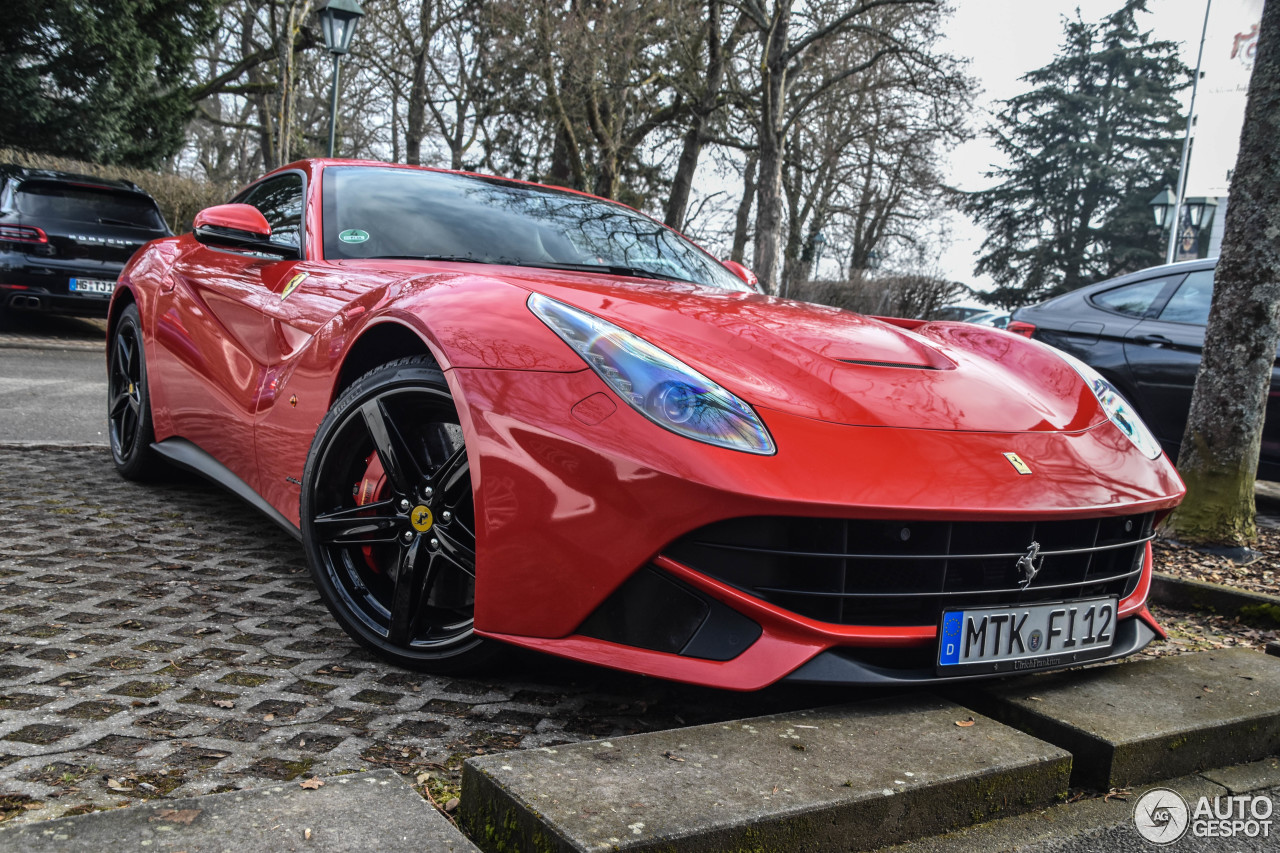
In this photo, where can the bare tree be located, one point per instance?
(1219, 455)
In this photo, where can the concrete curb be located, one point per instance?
(1079, 825)
(845, 778)
(1253, 608)
(1131, 723)
(51, 343)
(362, 811)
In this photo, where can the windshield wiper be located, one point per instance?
(612, 269)
(104, 220)
(456, 258)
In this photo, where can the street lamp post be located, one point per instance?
(1165, 207)
(338, 19)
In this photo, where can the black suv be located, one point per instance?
(64, 238)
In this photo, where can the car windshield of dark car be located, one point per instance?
(52, 200)
(404, 213)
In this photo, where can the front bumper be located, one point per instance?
(605, 498)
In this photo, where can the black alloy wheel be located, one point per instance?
(388, 519)
(129, 400)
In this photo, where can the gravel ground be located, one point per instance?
(1200, 631)
(1259, 573)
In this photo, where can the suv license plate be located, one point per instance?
(92, 286)
(1013, 639)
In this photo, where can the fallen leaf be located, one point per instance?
(177, 815)
(423, 778)
(451, 805)
(224, 703)
(306, 834)
(964, 724)
(1116, 794)
(117, 785)
(672, 757)
(311, 784)
(268, 718)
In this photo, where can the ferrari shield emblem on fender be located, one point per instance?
(293, 285)
(1018, 465)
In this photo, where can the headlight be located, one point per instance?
(1120, 412)
(664, 390)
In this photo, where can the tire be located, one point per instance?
(129, 401)
(388, 519)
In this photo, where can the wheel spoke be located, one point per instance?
(119, 404)
(363, 525)
(452, 474)
(397, 458)
(125, 356)
(128, 422)
(414, 580)
(458, 553)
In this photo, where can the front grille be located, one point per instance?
(857, 572)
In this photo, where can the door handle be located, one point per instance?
(1153, 340)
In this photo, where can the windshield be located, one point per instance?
(405, 213)
(40, 199)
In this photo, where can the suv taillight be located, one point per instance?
(22, 234)
(1020, 328)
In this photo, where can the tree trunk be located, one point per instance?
(769, 190)
(743, 221)
(416, 121)
(682, 183)
(1219, 455)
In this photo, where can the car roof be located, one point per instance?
(24, 173)
(1150, 272)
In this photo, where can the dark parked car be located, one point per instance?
(64, 238)
(1144, 332)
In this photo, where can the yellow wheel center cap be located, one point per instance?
(421, 519)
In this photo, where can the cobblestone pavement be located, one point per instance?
(164, 640)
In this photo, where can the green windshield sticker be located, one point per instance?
(353, 235)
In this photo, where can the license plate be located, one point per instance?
(92, 286)
(1037, 636)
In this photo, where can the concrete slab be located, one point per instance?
(362, 811)
(844, 778)
(1243, 778)
(1078, 822)
(1138, 721)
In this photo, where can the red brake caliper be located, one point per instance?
(373, 487)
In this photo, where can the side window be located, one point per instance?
(1135, 299)
(280, 200)
(1191, 303)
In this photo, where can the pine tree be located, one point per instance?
(101, 81)
(1095, 138)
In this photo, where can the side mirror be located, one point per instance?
(238, 226)
(741, 272)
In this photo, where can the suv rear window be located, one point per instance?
(39, 199)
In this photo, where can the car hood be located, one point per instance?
(832, 365)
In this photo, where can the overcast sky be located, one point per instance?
(1004, 39)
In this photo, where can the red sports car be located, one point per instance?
(496, 412)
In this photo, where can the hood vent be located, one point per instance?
(886, 364)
